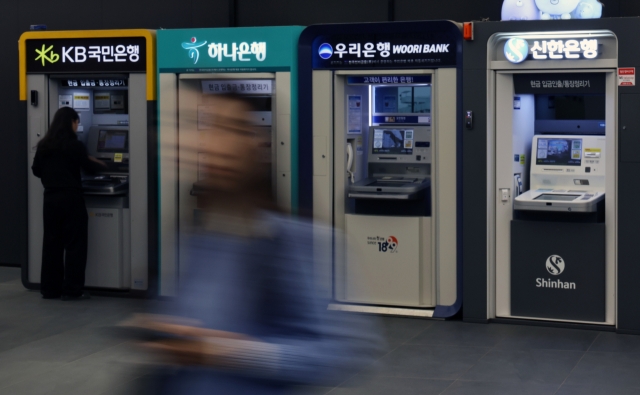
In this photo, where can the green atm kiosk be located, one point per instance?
(194, 66)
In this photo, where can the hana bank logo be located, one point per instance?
(516, 50)
(325, 51)
(47, 55)
(193, 46)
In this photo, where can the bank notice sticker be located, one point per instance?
(522, 159)
(81, 100)
(117, 158)
(592, 152)
(627, 76)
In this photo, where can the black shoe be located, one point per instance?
(85, 295)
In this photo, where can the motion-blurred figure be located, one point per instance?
(248, 318)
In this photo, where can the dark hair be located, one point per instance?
(61, 129)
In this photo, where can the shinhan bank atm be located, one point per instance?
(552, 232)
(195, 66)
(380, 121)
(108, 77)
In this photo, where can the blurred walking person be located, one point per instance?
(248, 318)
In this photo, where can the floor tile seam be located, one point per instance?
(444, 345)
(125, 383)
(540, 349)
(423, 331)
(61, 365)
(574, 368)
(449, 386)
(365, 368)
(472, 366)
(413, 378)
(95, 352)
(508, 382)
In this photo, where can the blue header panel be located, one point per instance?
(386, 50)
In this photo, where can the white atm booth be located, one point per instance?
(108, 78)
(195, 66)
(381, 107)
(553, 108)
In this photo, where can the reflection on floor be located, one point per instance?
(53, 347)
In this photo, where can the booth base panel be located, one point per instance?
(388, 261)
(381, 310)
(558, 270)
(106, 250)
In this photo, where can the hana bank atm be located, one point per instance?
(108, 77)
(195, 66)
(555, 204)
(379, 163)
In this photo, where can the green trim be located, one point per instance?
(225, 70)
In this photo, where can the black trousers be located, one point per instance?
(64, 248)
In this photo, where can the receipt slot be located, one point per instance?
(380, 123)
(196, 67)
(108, 78)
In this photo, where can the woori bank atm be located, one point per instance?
(108, 77)
(552, 157)
(380, 121)
(197, 66)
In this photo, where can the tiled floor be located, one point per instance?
(65, 348)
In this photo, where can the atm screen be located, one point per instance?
(113, 141)
(559, 152)
(393, 141)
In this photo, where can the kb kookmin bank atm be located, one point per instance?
(196, 67)
(555, 169)
(108, 78)
(383, 129)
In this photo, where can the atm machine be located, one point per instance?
(555, 221)
(195, 67)
(380, 123)
(109, 79)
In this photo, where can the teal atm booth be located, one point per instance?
(194, 65)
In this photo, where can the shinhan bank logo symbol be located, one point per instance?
(516, 50)
(555, 265)
(47, 55)
(325, 51)
(193, 49)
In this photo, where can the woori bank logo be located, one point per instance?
(325, 51)
(193, 48)
(516, 50)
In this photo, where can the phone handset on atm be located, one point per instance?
(350, 162)
(517, 185)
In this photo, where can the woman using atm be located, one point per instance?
(59, 158)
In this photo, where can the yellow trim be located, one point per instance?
(150, 35)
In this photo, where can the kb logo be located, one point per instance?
(555, 265)
(47, 55)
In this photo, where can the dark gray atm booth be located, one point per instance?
(108, 77)
(379, 149)
(550, 172)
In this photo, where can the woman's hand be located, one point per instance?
(98, 161)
